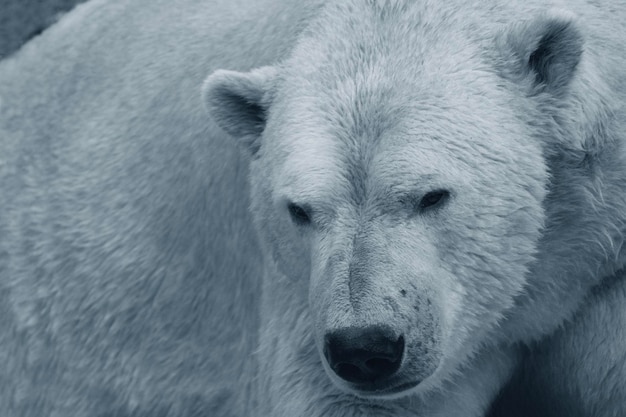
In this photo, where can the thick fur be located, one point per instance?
(129, 269)
(133, 283)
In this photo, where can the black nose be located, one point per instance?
(362, 355)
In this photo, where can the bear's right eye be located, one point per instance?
(433, 199)
(299, 215)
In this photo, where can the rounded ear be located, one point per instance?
(547, 49)
(238, 102)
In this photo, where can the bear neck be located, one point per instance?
(582, 245)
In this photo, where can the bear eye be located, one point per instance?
(433, 199)
(299, 214)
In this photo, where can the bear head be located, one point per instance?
(399, 166)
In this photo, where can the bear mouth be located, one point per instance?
(377, 391)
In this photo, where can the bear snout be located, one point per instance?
(364, 354)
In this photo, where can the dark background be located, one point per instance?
(21, 20)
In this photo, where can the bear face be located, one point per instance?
(383, 177)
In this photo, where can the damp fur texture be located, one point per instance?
(149, 263)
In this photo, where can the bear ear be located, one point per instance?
(547, 50)
(238, 102)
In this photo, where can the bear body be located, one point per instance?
(577, 371)
(394, 208)
(126, 304)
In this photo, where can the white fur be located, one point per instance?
(132, 281)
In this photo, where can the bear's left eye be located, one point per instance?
(433, 199)
(299, 215)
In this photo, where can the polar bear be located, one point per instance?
(395, 208)
(443, 182)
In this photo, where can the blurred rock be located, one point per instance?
(21, 20)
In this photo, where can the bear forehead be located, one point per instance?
(321, 166)
(393, 134)
(369, 86)
(410, 37)
(363, 138)
(369, 67)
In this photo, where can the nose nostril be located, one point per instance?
(350, 372)
(379, 365)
